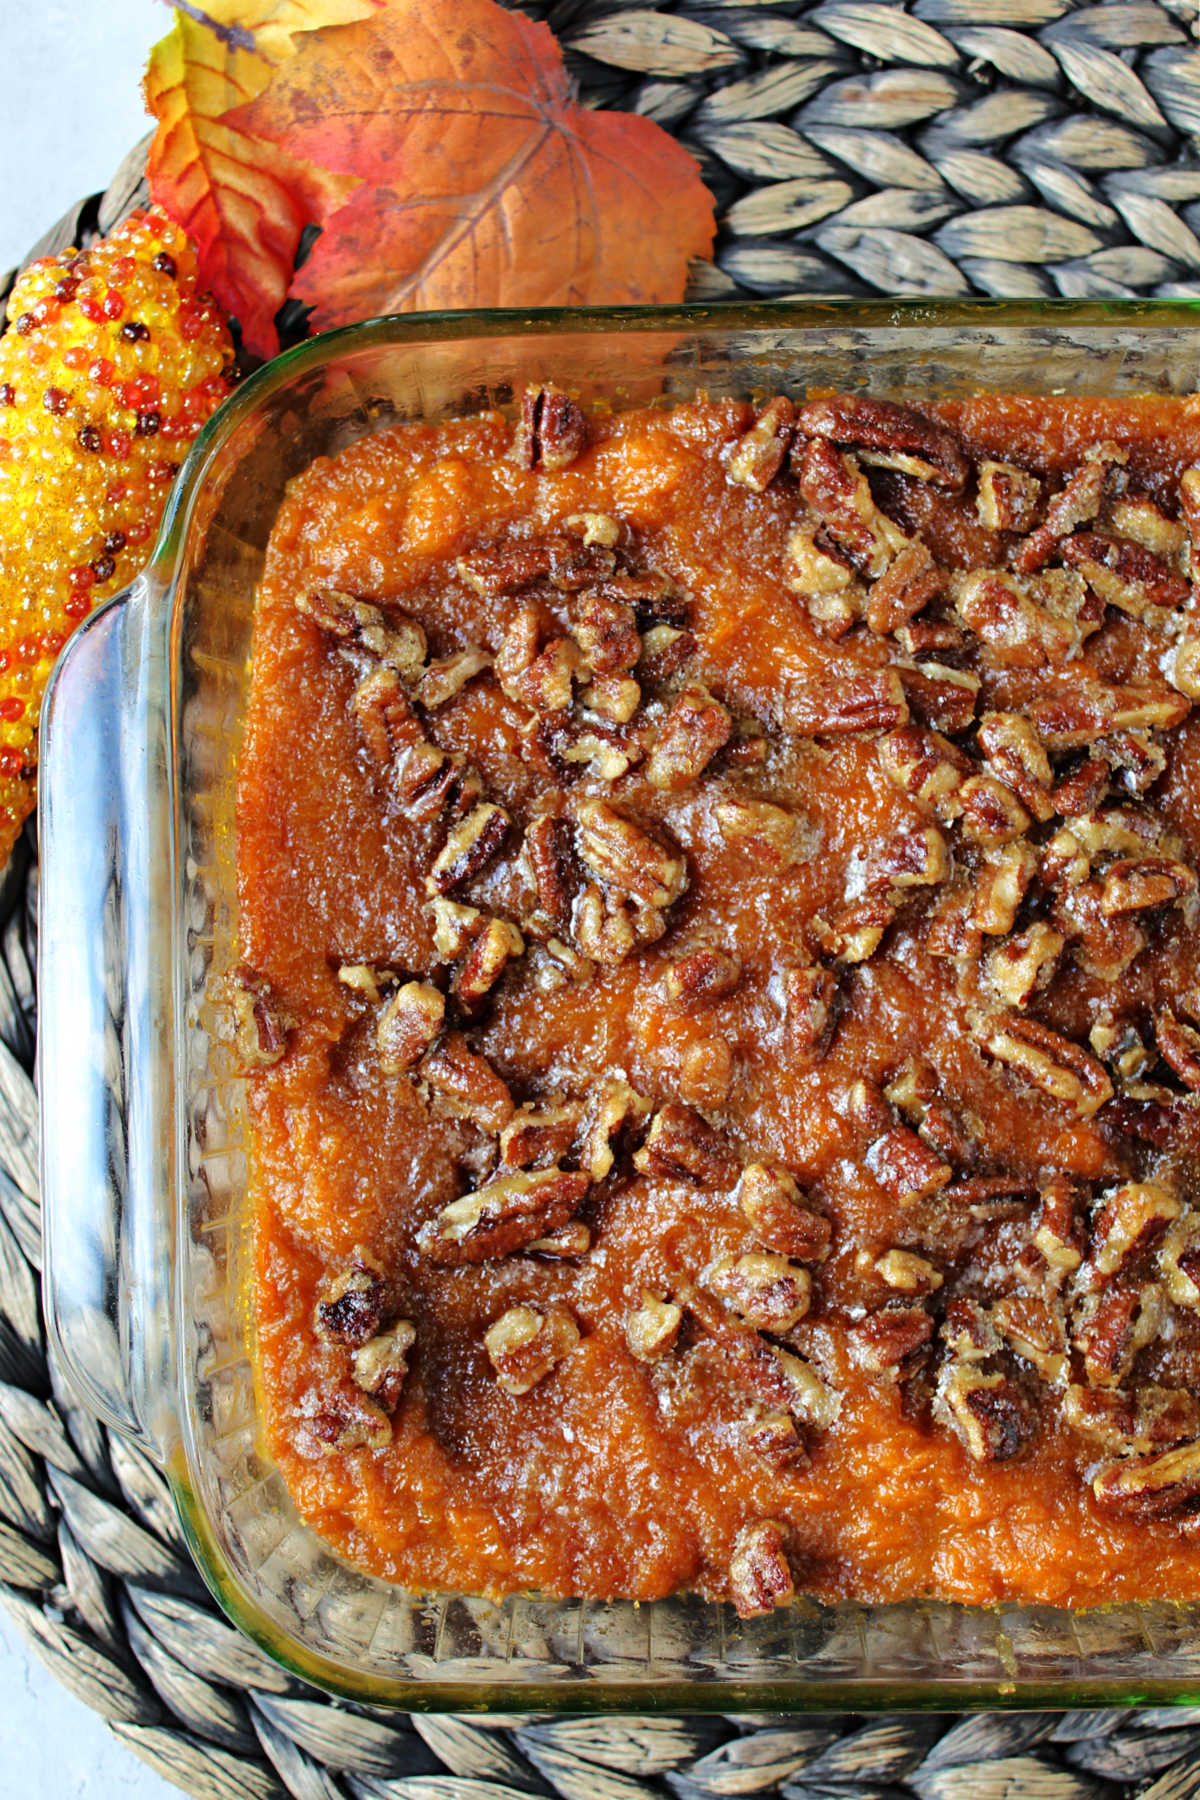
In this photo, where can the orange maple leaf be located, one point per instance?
(244, 202)
(482, 183)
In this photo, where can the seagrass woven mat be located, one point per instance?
(953, 147)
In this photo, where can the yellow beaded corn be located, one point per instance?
(111, 363)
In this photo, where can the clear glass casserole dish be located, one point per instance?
(143, 1149)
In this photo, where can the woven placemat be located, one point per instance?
(1025, 149)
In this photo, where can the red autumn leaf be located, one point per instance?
(244, 202)
(482, 183)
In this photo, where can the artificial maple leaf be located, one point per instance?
(482, 183)
(243, 202)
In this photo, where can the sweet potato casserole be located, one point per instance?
(720, 999)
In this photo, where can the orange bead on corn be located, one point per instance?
(111, 363)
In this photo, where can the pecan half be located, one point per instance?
(905, 1167)
(261, 1023)
(548, 852)
(837, 491)
(1076, 716)
(1122, 573)
(889, 435)
(506, 1215)
(466, 1085)
(1131, 1422)
(986, 1412)
(494, 948)
(355, 624)
(380, 1366)
(1017, 757)
(1026, 620)
(758, 454)
(351, 1305)
(386, 719)
(1034, 1329)
(1179, 1045)
(1150, 1487)
(524, 1346)
(779, 1215)
(1047, 1060)
(469, 848)
(904, 589)
(1134, 884)
(991, 812)
(623, 856)
(760, 1578)
(703, 977)
(764, 1290)
(410, 1020)
(1142, 521)
(613, 1108)
(694, 729)
(652, 1328)
(872, 700)
(552, 430)
(1008, 497)
(1128, 1221)
(810, 998)
(681, 1145)
(1112, 1326)
(890, 1341)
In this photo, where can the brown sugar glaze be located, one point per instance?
(951, 1467)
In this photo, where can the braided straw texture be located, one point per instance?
(1023, 148)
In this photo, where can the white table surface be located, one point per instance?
(73, 108)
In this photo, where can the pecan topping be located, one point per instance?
(856, 934)
(760, 1578)
(837, 491)
(1128, 1221)
(905, 1167)
(777, 838)
(694, 729)
(1134, 884)
(380, 1366)
(1034, 1329)
(1076, 503)
(443, 679)
(1150, 1487)
(702, 977)
(1076, 716)
(351, 1308)
(904, 589)
(939, 696)
(1132, 1422)
(775, 1378)
(991, 812)
(524, 1346)
(907, 1272)
(453, 926)
(888, 435)
(355, 624)
(605, 628)
(810, 996)
(261, 1023)
(1049, 1061)
(986, 1412)
(682, 1146)
(824, 578)
(1019, 967)
(765, 1290)
(758, 454)
(1112, 1326)
(1141, 520)
(926, 766)
(547, 851)
(613, 1108)
(408, 1024)
(1026, 620)
(653, 1327)
(468, 849)
(487, 959)
(1179, 1261)
(1017, 757)
(779, 1215)
(623, 856)
(537, 1136)
(911, 859)
(1008, 497)
(870, 701)
(1122, 573)
(1179, 1045)
(890, 1341)
(506, 1215)
(466, 1084)
(552, 431)
(387, 721)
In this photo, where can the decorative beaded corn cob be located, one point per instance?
(111, 364)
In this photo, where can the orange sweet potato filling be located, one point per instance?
(959, 1469)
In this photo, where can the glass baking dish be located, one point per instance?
(143, 1148)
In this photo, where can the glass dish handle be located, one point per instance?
(105, 1149)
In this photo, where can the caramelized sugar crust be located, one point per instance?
(720, 1001)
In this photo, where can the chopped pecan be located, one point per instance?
(1008, 497)
(824, 578)
(506, 569)
(907, 1272)
(468, 849)
(905, 1167)
(613, 1108)
(926, 766)
(1131, 1422)
(837, 491)
(951, 932)
(1034, 1329)
(454, 926)
(614, 699)
(1134, 884)
(1122, 573)
(603, 927)
(939, 696)
(537, 1136)
(889, 435)
(705, 1071)
(693, 730)
(410, 1020)
(872, 700)
(968, 1332)
(890, 1341)
(466, 1084)
(623, 856)
(1112, 1325)
(702, 977)
(1017, 757)
(397, 642)
(524, 1346)
(1001, 882)
(910, 859)
(1076, 503)
(506, 1215)
(986, 1196)
(777, 838)
(1127, 1222)
(931, 637)
(547, 685)
(987, 1412)
(1179, 1261)
(1058, 1233)
(653, 1327)
(904, 589)
(771, 1375)
(573, 567)
(763, 1289)
(1181, 666)
(758, 454)
(443, 679)
(349, 1420)
(771, 1436)
(1150, 1487)
(552, 431)
(1076, 716)
(261, 1022)
(595, 528)
(605, 628)
(380, 1366)
(1026, 621)
(1134, 758)
(991, 812)
(568, 1243)
(386, 719)
(1179, 1045)
(810, 996)
(1068, 858)
(681, 1145)
(1142, 521)
(1083, 788)
(760, 1578)
(490, 954)
(780, 1218)
(857, 933)
(1019, 967)
(1049, 1061)
(351, 1306)
(365, 979)
(665, 651)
